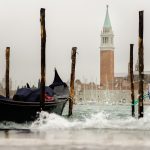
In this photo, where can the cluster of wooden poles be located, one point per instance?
(141, 70)
(72, 76)
(43, 64)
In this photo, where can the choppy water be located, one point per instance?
(92, 127)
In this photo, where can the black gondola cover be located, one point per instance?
(57, 88)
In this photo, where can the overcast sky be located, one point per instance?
(69, 23)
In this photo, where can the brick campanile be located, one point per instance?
(107, 54)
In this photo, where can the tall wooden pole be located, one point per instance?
(43, 47)
(141, 65)
(72, 78)
(131, 79)
(7, 71)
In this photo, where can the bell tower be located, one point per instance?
(107, 53)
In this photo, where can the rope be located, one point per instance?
(137, 100)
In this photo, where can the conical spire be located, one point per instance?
(107, 36)
(107, 23)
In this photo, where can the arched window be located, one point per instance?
(106, 39)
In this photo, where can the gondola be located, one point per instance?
(25, 104)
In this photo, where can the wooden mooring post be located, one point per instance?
(132, 79)
(72, 78)
(7, 71)
(141, 65)
(43, 47)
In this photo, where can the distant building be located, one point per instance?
(113, 88)
(107, 53)
(10, 83)
(108, 79)
(2, 87)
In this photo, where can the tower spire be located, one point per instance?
(107, 35)
(107, 23)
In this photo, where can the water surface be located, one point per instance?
(92, 126)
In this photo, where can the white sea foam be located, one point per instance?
(104, 128)
(101, 120)
(14, 126)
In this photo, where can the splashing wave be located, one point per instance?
(101, 120)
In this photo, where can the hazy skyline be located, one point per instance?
(69, 23)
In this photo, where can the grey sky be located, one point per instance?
(68, 23)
